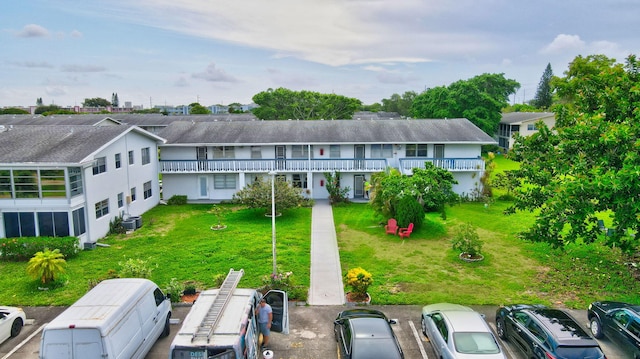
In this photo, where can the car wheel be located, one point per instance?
(16, 327)
(501, 329)
(423, 324)
(167, 327)
(596, 328)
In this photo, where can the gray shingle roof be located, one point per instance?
(457, 130)
(39, 120)
(517, 117)
(55, 144)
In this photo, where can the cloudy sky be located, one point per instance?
(174, 52)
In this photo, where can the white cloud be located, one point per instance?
(212, 74)
(34, 64)
(55, 90)
(564, 43)
(82, 68)
(33, 30)
(76, 34)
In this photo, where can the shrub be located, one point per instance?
(409, 210)
(359, 280)
(177, 199)
(24, 248)
(135, 268)
(337, 194)
(466, 240)
(174, 289)
(111, 274)
(46, 265)
(116, 227)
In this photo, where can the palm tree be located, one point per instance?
(46, 265)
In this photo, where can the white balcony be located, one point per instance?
(284, 165)
(450, 164)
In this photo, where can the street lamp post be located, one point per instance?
(273, 220)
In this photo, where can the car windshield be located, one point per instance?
(375, 349)
(475, 343)
(579, 352)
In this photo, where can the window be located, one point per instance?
(53, 184)
(120, 200)
(102, 208)
(438, 320)
(300, 151)
(256, 152)
(133, 194)
(26, 183)
(75, 181)
(118, 160)
(146, 189)
(299, 180)
(223, 152)
(531, 127)
(53, 224)
(131, 159)
(413, 150)
(334, 151)
(5, 184)
(536, 331)
(100, 166)
(381, 151)
(224, 181)
(146, 156)
(19, 224)
(621, 317)
(159, 296)
(79, 226)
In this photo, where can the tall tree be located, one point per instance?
(283, 104)
(589, 166)
(39, 101)
(114, 99)
(544, 96)
(96, 102)
(479, 99)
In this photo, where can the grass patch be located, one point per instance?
(177, 242)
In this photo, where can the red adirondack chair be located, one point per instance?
(405, 232)
(391, 227)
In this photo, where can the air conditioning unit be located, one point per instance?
(129, 224)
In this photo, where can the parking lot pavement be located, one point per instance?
(311, 333)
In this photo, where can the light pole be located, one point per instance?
(273, 220)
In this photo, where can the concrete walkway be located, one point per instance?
(326, 275)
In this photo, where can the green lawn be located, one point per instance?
(178, 243)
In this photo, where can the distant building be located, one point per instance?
(523, 123)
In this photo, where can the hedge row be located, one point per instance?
(24, 248)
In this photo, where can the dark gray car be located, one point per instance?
(366, 334)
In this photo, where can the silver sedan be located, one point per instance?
(458, 332)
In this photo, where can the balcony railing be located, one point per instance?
(279, 165)
(450, 164)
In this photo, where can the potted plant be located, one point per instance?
(359, 280)
(219, 213)
(467, 241)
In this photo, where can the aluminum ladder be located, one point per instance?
(208, 324)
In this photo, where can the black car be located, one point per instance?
(541, 332)
(366, 334)
(618, 321)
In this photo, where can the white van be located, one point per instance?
(222, 323)
(118, 318)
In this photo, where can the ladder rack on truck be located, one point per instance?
(208, 324)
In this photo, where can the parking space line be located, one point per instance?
(24, 341)
(417, 336)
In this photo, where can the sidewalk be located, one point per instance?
(326, 286)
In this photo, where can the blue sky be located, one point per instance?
(174, 52)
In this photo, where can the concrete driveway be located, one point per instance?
(311, 333)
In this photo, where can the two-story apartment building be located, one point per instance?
(60, 180)
(523, 123)
(210, 161)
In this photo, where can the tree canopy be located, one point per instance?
(197, 109)
(431, 187)
(284, 104)
(258, 195)
(588, 167)
(399, 104)
(479, 99)
(96, 102)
